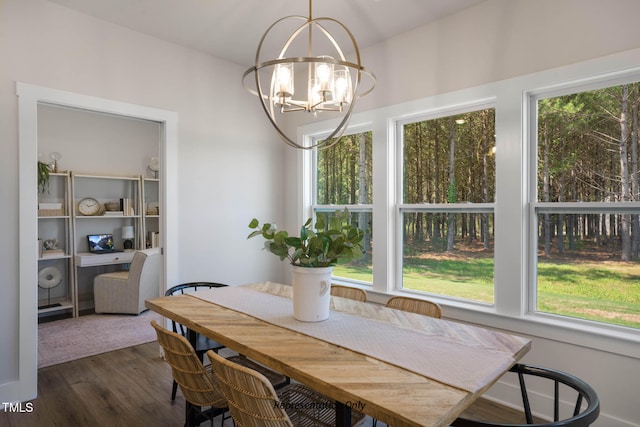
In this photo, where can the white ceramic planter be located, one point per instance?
(311, 293)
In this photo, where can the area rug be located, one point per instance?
(70, 339)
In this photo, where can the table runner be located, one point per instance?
(438, 358)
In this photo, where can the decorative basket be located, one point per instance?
(50, 212)
(112, 206)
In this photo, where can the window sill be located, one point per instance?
(607, 338)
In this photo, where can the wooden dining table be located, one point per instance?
(402, 368)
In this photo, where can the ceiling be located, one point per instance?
(231, 29)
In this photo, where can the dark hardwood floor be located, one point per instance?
(128, 387)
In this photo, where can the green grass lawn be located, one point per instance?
(607, 291)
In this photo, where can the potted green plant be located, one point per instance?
(313, 254)
(43, 176)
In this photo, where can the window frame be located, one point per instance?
(402, 207)
(601, 81)
(516, 134)
(315, 207)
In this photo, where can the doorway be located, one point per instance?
(30, 97)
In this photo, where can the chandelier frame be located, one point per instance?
(273, 104)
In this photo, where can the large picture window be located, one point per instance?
(344, 178)
(448, 190)
(587, 224)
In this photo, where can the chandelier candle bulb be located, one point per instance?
(342, 87)
(284, 78)
(324, 74)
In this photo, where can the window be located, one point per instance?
(344, 179)
(587, 228)
(448, 187)
(505, 201)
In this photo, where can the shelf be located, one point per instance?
(151, 212)
(56, 305)
(54, 223)
(131, 178)
(52, 257)
(70, 229)
(81, 217)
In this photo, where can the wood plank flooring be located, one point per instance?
(130, 387)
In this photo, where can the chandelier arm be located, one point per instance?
(264, 36)
(373, 82)
(293, 108)
(333, 40)
(244, 78)
(268, 110)
(270, 114)
(292, 37)
(296, 59)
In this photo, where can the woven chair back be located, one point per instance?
(251, 398)
(349, 292)
(199, 387)
(413, 305)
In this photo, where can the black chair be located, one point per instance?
(583, 414)
(204, 344)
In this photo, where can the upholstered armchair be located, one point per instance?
(124, 292)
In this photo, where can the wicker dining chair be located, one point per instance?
(199, 386)
(253, 402)
(414, 305)
(204, 344)
(349, 292)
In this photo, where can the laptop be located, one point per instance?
(101, 243)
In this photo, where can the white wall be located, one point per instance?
(97, 143)
(229, 159)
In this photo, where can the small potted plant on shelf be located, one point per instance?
(313, 254)
(43, 176)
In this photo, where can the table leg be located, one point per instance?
(343, 415)
(191, 410)
(192, 336)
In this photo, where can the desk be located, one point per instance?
(379, 385)
(87, 259)
(84, 273)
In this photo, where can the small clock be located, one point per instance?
(89, 206)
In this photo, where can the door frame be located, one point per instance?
(29, 96)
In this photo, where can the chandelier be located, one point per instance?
(306, 81)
